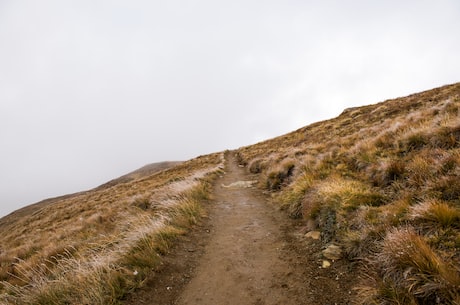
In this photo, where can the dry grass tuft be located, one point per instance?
(434, 212)
(409, 269)
(448, 188)
(279, 176)
(257, 166)
(292, 198)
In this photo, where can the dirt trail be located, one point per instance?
(245, 253)
(242, 264)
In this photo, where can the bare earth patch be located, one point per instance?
(246, 252)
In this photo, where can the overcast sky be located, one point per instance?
(92, 89)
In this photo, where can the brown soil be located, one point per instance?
(246, 252)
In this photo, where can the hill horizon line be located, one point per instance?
(162, 165)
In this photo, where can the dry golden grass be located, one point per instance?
(435, 212)
(381, 180)
(362, 177)
(97, 246)
(409, 269)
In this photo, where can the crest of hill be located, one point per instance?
(357, 120)
(144, 171)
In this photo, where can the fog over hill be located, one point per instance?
(91, 90)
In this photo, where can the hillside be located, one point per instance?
(100, 244)
(379, 184)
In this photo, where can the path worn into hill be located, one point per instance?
(243, 263)
(245, 253)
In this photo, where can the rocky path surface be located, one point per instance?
(243, 254)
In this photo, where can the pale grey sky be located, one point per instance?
(92, 89)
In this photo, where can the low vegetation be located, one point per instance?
(383, 182)
(98, 246)
(380, 181)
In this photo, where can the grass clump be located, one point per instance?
(292, 198)
(279, 176)
(187, 213)
(394, 171)
(434, 212)
(415, 141)
(448, 188)
(409, 271)
(349, 194)
(447, 137)
(142, 202)
(257, 166)
(333, 203)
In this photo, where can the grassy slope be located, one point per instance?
(382, 181)
(95, 246)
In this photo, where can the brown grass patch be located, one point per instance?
(410, 265)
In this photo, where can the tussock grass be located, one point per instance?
(188, 212)
(279, 175)
(410, 270)
(363, 177)
(420, 171)
(447, 188)
(257, 166)
(340, 195)
(433, 212)
(291, 199)
(111, 243)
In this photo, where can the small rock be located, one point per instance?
(326, 264)
(313, 234)
(332, 252)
